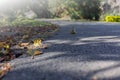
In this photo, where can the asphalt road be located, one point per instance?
(91, 54)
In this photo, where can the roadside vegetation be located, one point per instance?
(73, 9)
(94, 10)
(22, 38)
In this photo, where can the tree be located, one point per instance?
(76, 9)
(90, 9)
(40, 7)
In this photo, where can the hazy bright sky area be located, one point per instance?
(6, 4)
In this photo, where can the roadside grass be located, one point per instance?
(29, 22)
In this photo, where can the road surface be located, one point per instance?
(91, 54)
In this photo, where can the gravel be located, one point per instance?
(91, 54)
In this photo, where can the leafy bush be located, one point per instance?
(112, 18)
(75, 9)
(90, 9)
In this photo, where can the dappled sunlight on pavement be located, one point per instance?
(92, 53)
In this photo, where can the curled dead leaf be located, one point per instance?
(37, 52)
(4, 68)
(23, 44)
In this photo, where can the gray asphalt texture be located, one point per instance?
(91, 54)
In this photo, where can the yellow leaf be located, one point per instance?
(6, 46)
(37, 42)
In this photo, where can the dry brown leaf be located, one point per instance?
(37, 52)
(2, 44)
(4, 68)
(73, 31)
(23, 44)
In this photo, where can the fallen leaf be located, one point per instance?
(2, 44)
(4, 68)
(73, 31)
(37, 52)
(37, 42)
(23, 44)
(6, 46)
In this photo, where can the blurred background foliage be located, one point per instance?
(76, 9)
(68, 9)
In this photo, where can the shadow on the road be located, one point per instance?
(101, 42)
(42, 73)
(91, 43)
(97, 43)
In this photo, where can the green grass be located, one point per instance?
(24, 22)
(28, 22)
